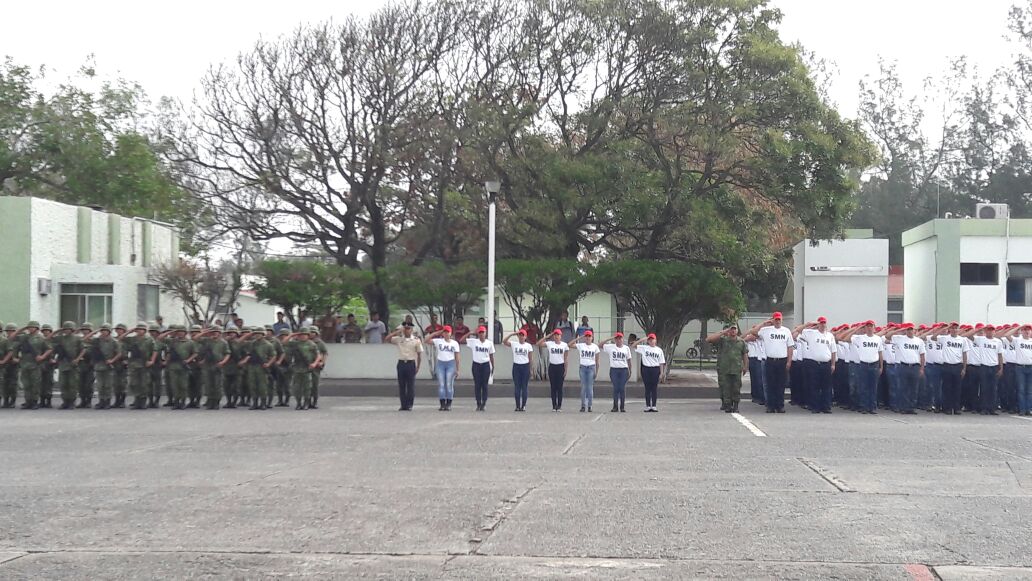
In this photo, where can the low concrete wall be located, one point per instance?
(361, 361)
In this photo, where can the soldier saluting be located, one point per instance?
(105, 353)
(33, 351)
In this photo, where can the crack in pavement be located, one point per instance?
(271, 474)
(1020, 485)
(995, 449)
(572, 444)
(826, 475)
(499, 516)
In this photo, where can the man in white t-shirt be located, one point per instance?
(374, 329)
(910, 365)
(778, 345)
(867, 351)
(992, 369)
(1023, 370)
(931, 388)
(953, 368)
(820, 360)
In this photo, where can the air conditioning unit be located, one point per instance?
(992, 211)
(44, 286)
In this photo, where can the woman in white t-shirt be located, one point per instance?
(447, 365)
(557, 353)
(522, 354)
(652, 362)
(588, 353)
(483, 364)
(619, 368)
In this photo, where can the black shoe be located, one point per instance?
(441, 409)
(66, 405)
(299, 407)
(167, 404)
(781, 410)
(734, 409)
(582, 409)
(25, 405)
(194, 404)
(993, 414)
(727, 411)
(255, 406)
(47, 404)
(615, 409)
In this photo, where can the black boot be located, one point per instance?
(119, 401)
(193, 403)
(170, 402)
(26, 405)
(447, 406)
(313, 404)
(46, 403)
(83, 403)
(180, 404)
(153, 402)
(67, 404)
(300, 405)
(254, 405)
(231, 402)
(441, 409)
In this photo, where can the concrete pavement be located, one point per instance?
(357, 489)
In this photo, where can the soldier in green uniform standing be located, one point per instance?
(139, 347)
(156, 370)
(120, 373)
(6, 362)
(68, 349)
(105, 353)
(46, 392)
(180, 356)
(732, 363)
(282, 369)
(260, 357)
(320, 364)
(32, 352)
(10, 367)
(304, 360)
(231, 371)
(216, 356)
(86, 375)
(200, 343)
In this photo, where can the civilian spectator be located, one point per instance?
(461, 330)
(433, 327)
(498, 332)
(350, 332)
(584, 327)
(375, 329)
(306, 320)
(281, 324)
(566, 326)
(161, 323)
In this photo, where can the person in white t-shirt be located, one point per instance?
(558, 351)
(483, 364)
(1023, 370)
(867, 352)
(447, 365)
(778, 346)
(992, 369)
(588, 354)
(953, 369)
(820, 360)
(910, 365)
(619, 368)
(522, 355)
(931, 388)
(653, 361)
(1008, 389)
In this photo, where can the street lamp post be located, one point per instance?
(492, 187)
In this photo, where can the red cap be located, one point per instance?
(878, 329)
(922, 327)
(651, 336)
(618, 334)
(447, 329)
(588, 334)
(989, 328)
(980, 325)
(557, 332)
(776, 315)
(481, 329)
(522, 332)
(869, 322)
(822, 320)
(954, 324)
(1026, 326)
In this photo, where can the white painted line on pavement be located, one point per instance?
(751, 426)
(1029, 419)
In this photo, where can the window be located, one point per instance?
(1019, 285)
(895, 311)
(82, 303)
(979, 273)
(147, 307)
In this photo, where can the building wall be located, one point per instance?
(919, 301)
(842, 295)
(989, 303)
(15, 266)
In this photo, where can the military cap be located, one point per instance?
(268, 327)
(313, 329)
(11, 327)
(196, 328)
(141, 325)
(233, 330)
(87, 326)
(46, 327)
(105, 327)
(121, 327)
(32, 324)
(283, 332)
(153, 327)
(68, 325)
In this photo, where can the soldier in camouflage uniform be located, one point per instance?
(86, 375)
(156, 370)
(216, 356)
(69, 350)
(139, 347)
(260, 357)
(199, 341)
(232, 372)
(46, 393)
(178, 359)
(8, 385)
(32, 352)
(120, 376)
(280, 370)
(246, 338)
(305, 358)
(104, 352)
(319, 365)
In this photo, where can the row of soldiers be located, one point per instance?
(246, 366)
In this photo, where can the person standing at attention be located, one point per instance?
(778, 345)
(653, 360)
(821, 358)
(483, 364)
(557, 354)
(522, 353)
(589, 353)
(410, 359)
(732, 363)
(447, 365)
(619, 368)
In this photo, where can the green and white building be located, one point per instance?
(68, 263)
(968, 270)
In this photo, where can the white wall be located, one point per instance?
(919, 299)
(842, 296)
(989, 303)
(54, 239)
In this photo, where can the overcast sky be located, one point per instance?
(166, 47)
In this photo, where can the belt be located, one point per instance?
(868, 363)
(909, 364)
(776, 358)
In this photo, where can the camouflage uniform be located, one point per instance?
(178, 360)
(305, 353)
(195, 387)
(215, 350)
(260, 352)
(103, 349)
(31, 346)
(232, 372)
(86, 368)
(47, 368)
(120, 375)
(314, 332)
(281, 370)
(140, 349)
(8, 367)
(157, 371)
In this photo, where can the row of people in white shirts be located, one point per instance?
(619, 353)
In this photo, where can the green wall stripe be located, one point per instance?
(15, 265)
(114, 253)
(84, 237)
(145, 243)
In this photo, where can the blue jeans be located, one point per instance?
(520, 379)
(987, 389)
(1023, 377)
(854, 384)
(587, 385)
(892, 378)
(619, 377)
(756, 380)
(931, 393)
(907, 379)
(867, 390)
(446, 379)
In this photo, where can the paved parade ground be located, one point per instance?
(357, 489)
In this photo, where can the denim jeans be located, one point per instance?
(949, 374)
(892, 378)
(756, 380)
(907, 379)
(854, 385)
(931, 387)
(587, 385)
(446, 379)
(520, 379)
(619, 377)
(1023, 377)
(774, 381)
(867, 391)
